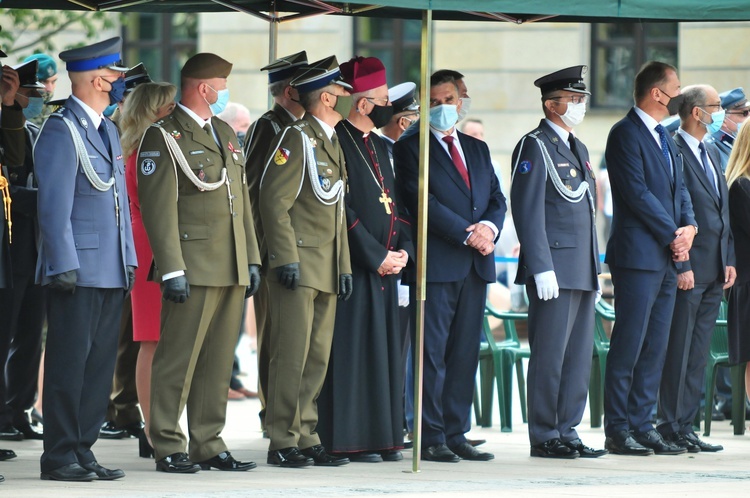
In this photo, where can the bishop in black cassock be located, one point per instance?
(361, 405)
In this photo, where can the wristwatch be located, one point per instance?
(696, 229)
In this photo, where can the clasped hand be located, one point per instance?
(682, 243)
(393, 263)
(482, 238)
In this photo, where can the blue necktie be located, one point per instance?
(664, 144)
(104, 135)
(707, 167)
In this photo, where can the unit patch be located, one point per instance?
(524, 167)
(148, 166)
(281, 156)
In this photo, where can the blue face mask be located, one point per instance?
(222, 99)
(117, 92)
(110, 110)
(34, 109)
(717, 119)
(443, 117)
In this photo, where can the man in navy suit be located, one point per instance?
(554, 197)
(702, 279)
(465, 215)
(87, 260)
(652, 231)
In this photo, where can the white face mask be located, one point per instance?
(465, 108)
(574, 115)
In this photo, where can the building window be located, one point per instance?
(618, 50)
(163, 42)
(396, 42)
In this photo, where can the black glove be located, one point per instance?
(288, 275)
(65, 282)
(254, 271)
(345, 286)
(131, 280)
(176, 289)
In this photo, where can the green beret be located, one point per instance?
(205, 66)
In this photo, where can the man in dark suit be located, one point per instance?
(553, 195)
(87, 259)
(652, 231)
(465, 215)
(702, 279)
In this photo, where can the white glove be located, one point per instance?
(546, 285)
(403, 295)
(598, 294)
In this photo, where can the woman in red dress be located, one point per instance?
(146, 104)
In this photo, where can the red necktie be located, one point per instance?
(457, 161)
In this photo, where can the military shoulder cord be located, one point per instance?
(575, 196)
(88, 169)
(179, 158)
(5, 190)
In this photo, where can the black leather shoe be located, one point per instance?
(439, 453)
(177, 463)
(28, 430)
(364, 457)
(704, 446)
(652, 439)
(391, 455)
(681, 441)
(553, 448)
(70, 472)
(323, 459)
(476, 442)
(133, 429)
(109, 431)
(288, 457)
(623, 443)
(468, 452)
(103, 473)
(10, 433)
(583, 450)
(225, 461)
(7, 455)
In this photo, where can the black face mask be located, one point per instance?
(380, 115)
(673, 106)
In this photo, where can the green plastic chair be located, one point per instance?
(718, 355)
(505, 355)
(603, 311)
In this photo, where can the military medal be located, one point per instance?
(232, 150)
(176, 134)
(591, 171)
(573, 172)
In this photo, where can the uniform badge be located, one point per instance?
(119, 158)
(196, 152)
(281, 156)
(84, 123)
(554, 140)
(563, 165)
(148, 166)
(150, 153)
(201, 175)
(314, 142)
(176, 134)
(573, 173)
(524, 167)
(325, 183)
(329, 171)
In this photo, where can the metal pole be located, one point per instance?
(273, 42)
(424, 177)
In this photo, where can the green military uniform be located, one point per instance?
(301, 205)
(205, 230)
(260, 137)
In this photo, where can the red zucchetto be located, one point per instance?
(363, 73)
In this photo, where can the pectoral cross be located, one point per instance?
(386, 202)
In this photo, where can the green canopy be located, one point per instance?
(500, 10)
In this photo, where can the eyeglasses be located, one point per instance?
(370, 100)
(713, 105)
(575, 99)
(744, 113)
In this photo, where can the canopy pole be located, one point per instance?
(424, 178)
(273, 42)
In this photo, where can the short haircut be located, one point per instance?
(277, 88)
(652, 74)
(470, 120)
(695, 96)
(309, 99)
(445, 76)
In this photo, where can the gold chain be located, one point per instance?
(5, 189)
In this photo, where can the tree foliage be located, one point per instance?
(43, 25)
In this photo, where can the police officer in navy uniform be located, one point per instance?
(737, 108)
(405, 113)
(553, 194)
(87, 259)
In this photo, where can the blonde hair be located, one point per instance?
(139, 112)
(739, 160)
